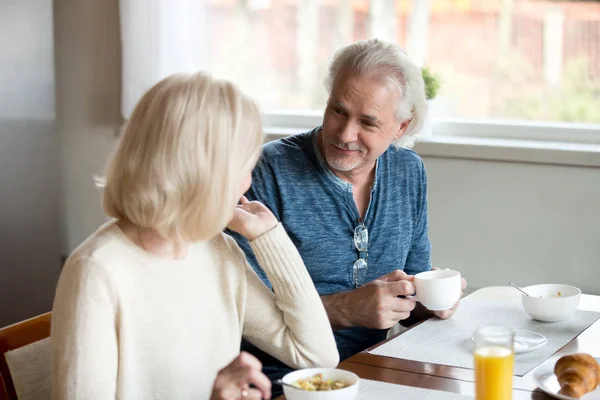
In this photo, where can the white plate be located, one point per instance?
(526, 341)
(544, 377)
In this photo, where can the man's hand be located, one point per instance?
(373, 305)
(445, 314)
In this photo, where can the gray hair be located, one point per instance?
(374, 57)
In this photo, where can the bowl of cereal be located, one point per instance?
(550, 302)
(321, 384)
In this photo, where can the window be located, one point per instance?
(532, 60)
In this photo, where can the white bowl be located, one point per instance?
(350, 392)
(550, 302)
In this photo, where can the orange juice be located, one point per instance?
(493, 373)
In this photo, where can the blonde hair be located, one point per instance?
(374, 57)
(183, 154)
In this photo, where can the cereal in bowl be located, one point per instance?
(317, 383)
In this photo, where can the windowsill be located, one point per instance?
(511, 150)
(506, 150)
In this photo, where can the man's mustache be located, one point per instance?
(347, 146)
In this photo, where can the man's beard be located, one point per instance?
(341, 163)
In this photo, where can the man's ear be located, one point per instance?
(402, 128)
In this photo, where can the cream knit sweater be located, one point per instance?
(129, 325)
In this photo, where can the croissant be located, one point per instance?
(577, 374)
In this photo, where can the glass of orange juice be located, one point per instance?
(494, 358)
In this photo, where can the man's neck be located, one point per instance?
(358, 177)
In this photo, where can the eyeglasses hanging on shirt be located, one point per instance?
(361, 242)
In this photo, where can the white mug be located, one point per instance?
(437, 290)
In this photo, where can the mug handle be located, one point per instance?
(413, 297)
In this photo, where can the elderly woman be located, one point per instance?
(155, 302)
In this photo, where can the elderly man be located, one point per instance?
(353, 196)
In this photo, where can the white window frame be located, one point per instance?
(518, 130)
(497, 140)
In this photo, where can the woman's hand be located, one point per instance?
(233, 382)
(251, 219)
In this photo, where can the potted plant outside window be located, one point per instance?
(432, 87)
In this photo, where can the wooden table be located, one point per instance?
(461, 380)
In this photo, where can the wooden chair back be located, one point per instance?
(14, 337)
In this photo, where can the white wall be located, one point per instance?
(88, 81)
(29, 177)
(26, 59)
(48, 202)
(527, 223)
(29, 220)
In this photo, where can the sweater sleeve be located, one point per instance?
(83, 337)
(265, 189)
(289, 323)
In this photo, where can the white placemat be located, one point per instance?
(374, 390)
(449, 342)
